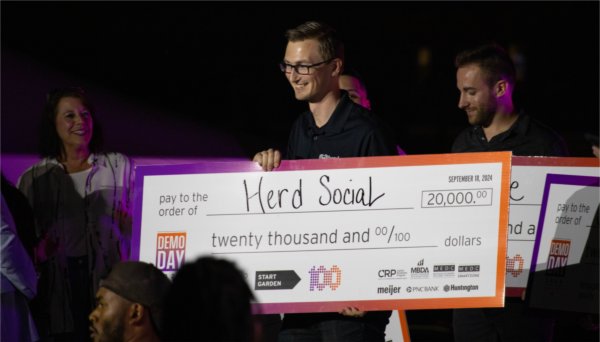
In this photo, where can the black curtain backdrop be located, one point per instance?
(214, 65)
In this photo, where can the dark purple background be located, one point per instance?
(201, 79)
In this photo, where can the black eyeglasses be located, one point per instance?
(301, 69)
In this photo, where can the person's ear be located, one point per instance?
(136, 312)
(500, 88)
(337, 69)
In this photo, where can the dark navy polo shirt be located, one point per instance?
(526, 137)
(352, 131)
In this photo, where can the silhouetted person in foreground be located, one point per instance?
(209, 301)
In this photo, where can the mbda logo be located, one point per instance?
(419, 271)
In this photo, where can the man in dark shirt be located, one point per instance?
(350, 132)
(526, 137)
(333, 127)
(485, 77)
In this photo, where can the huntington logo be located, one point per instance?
(321, 278)
(170, 250)
(515, 265)
(467, 288)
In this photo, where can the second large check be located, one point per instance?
(376, 233)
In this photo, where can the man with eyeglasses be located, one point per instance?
(333, 127)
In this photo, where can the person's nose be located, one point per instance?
(293, 75)
(83, 118)
(79, 119)
(92, 316)
(462, 102)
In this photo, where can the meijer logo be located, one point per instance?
(170, 250)
(321, 278)
(391, 290)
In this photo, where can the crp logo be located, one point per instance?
(170, 250)
(515, 265)
(321, 277)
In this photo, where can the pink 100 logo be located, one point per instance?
(321, 278)
(515, 265)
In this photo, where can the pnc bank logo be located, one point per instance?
(170, 250)
(320, 278)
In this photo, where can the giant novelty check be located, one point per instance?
(410, 232)
(565, 257)
(527, 187)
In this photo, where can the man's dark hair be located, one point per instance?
(209, 301)
(492, 59)
(330, 46)
(50, 144)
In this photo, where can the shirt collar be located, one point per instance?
(338, 119)
(518, 128)
(92, 159)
